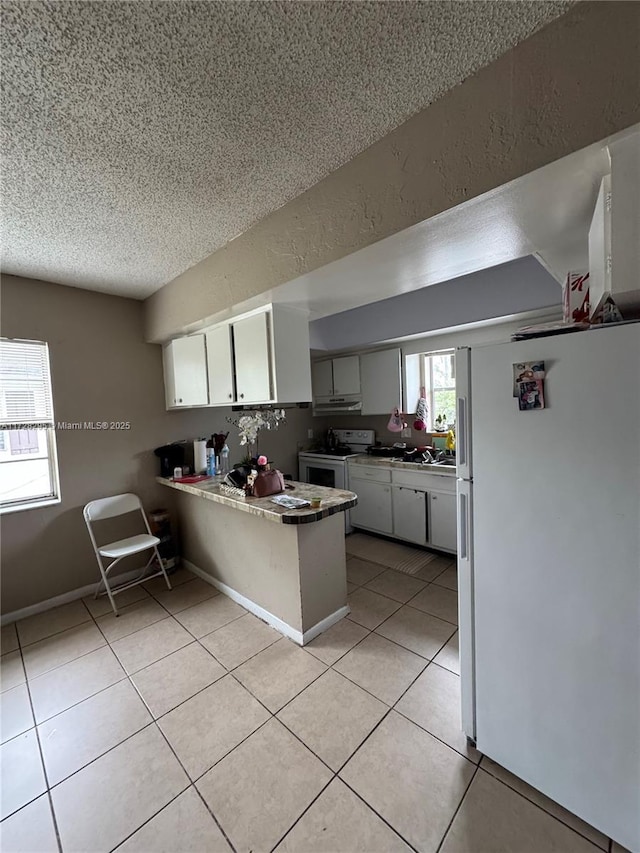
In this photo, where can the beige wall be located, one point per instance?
(571, 84)
(101, 370)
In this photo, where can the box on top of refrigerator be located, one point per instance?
(575, 303)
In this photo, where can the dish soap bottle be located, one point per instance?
(451, 441)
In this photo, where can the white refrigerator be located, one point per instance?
(549, 569)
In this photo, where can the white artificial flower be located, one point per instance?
(249, 425)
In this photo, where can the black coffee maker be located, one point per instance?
(171, 456)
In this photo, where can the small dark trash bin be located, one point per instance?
(160, 523)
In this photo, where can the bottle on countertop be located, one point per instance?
(211, 458)
(224, 460)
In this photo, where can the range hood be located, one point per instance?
(335, 405)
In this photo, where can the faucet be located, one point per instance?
(426, 456)
(440, 456)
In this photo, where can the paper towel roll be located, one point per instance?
(200, 456)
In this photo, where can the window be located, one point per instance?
(439, 381)
(28, 464)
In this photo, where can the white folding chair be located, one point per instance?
(116, 551)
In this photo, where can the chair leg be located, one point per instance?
(105, 580)
(160, 561)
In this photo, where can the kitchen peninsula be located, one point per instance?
(286, 566)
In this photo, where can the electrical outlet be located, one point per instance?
(406, 432)
(309, 433)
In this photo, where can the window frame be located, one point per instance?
(426, 380)
(21, 504)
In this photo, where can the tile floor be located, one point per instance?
(187, 724)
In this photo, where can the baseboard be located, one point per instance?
(65, 598)
(275, 621)
(325, 624)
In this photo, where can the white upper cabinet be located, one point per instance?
(374, 377)
(338, 377)
(185, 371)
(346, 375)
(253, 359)
(169, 379)
(290, 355)
(260, 357)
(381, 381)
(322, 378)
(220, 366)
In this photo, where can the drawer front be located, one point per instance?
(425, 481)
(366, 472)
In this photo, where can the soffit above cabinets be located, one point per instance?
(511, 289)
(546, 214)
(538, 222)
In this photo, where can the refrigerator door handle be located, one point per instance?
(464, 399)
(463, 526)
(461, 426)
(466, 628)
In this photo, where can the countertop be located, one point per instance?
(333, 500)
(384, 462)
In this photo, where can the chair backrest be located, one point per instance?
(111, 507)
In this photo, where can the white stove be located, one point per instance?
(329, 468)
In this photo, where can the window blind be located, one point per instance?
(25, 383)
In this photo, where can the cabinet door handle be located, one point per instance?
(180, 400)
(434, 497)
(242, 396)
(231, 396)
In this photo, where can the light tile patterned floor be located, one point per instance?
(187, 724)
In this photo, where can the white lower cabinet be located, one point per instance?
(442, 521)
(410, 514)
(414, 506)
(373, 511)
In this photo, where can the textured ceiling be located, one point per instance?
(139, 137)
